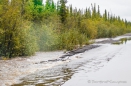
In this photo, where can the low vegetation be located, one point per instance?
(27, 26)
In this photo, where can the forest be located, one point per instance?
(29, 26)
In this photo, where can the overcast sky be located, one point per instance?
(120, 8)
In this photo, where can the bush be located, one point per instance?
(102, 30)
(72, 39)
(88, 28)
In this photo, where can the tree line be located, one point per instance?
(27, 26)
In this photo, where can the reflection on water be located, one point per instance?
(122, 41)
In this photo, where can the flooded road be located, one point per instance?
(48, 69)
(107, 65)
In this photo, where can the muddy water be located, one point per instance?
(68, 74)
(55, 76)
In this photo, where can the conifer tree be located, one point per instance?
(71, 10)
(94, 13)
(98, 12)
(105, 15)
(50, 6)
(63, 10)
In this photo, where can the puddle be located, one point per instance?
(122, 41)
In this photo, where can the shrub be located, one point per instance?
(72, 39)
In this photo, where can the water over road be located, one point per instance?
(107, 65)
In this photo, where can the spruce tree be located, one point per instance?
(63, 10)
(71, 10)
(105, 15)
(94, 11)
